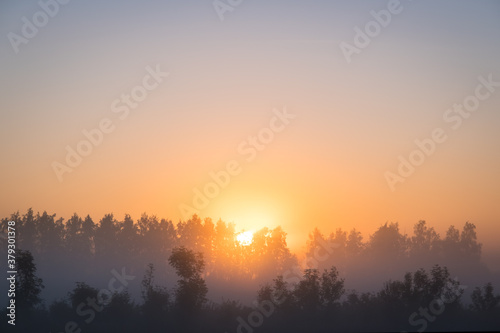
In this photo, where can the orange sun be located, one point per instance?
(245, 238)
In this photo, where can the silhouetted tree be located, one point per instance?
(207, 239)
(424, 241)
(106, 239)
(278, 255)
(354, 244)
(119, 311)
(283, 295)
(29, 286)
(451, 244)
(265, 293)
(388, 242)
(191, 288)
(88, 235)
(484, 299)
(155, 299)
(50, 236)
(470, 248)
(27, 230)
(268, 255)
(225, 261)
(190, 233)
(128, 237)
(308, 291)
(168, 237)
(314, 245)
(332, 288)
(151, 237)
(74, 241)
(83, 294)
(310, 303)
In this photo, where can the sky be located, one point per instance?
(302, 111)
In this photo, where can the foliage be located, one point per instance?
(202, 252)
(191, 288)
(29, 286)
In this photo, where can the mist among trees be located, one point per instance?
(155, 276)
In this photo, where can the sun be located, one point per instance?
(245, 238)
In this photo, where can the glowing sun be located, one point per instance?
(245, 238)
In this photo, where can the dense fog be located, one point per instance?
(129, 257)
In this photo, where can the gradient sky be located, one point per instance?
(325, 169)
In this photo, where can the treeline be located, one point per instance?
(388, 252)
(317, 302)
(421, 301)
(90, 253)
(88, 246)
(81, 249)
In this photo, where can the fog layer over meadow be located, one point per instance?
(83, 250)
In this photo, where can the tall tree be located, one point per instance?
(29, 286)
(332, 287)
(468, 242)
(128, 237)
(354, 244)
(451, 244)
(388, 242)
(28, 230)
(484, 300)
(168, 236)
(308, 291)
(156, 299)
(50, 235)
(82, 293)
(191, 288)
(424, 240)
(74, 241)
(105, 238)
(88, 234)
(225, 261)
